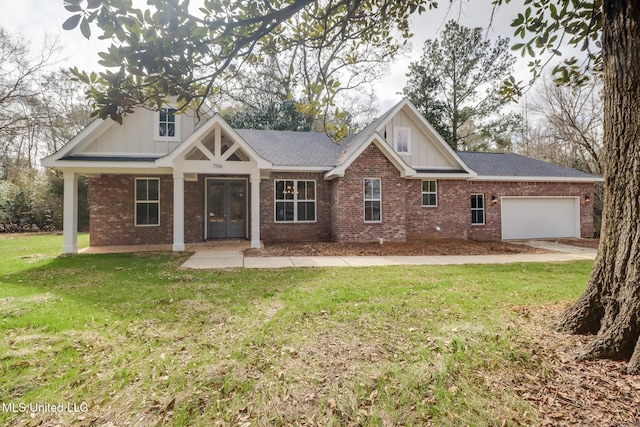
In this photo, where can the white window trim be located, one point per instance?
(484, 212)
(395, 140)
(156, 127)
(136, 201)
(429, 192)
(365, 200)
(295, 202)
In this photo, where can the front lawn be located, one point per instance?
(130, 339)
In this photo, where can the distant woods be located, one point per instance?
(41, 109)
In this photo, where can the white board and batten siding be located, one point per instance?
(137, 136)
(540, 217)
(423, 151)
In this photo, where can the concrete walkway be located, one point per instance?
(236, 258)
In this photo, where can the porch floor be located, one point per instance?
(209, 246)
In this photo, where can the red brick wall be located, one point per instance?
(453, 213)
(194, 210)
(348, 201)
(112, 212)
(111, 199)
(272, 231)
(340, 207)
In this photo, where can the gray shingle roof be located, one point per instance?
(510, 164)
(290, 148)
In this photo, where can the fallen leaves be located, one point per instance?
(570, 392)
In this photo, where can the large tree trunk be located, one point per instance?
(610, 307)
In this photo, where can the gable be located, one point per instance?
(214, 147)
(424, 148)
(137, 137)
(355, 149)
(427, 150)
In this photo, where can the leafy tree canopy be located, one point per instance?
(169, 50)
(545, 28)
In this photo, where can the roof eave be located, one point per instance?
(440, 175)
(300, 168)
(92, 131)
(536, 179)
(101, 164)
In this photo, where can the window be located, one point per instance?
(372, 200)
(295, 201)
(167, 124)
(147, 201)
(402, 139)
(477, 209)
(429, 193)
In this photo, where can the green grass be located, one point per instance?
(129, 333)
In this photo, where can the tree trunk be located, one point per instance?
(610, 307)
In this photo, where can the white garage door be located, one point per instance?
(540, 217)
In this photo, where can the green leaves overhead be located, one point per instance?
(547, 27)
(71, 22)
(171, 50)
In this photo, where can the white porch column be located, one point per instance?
(255, 211)
(178, 211)
(70, 215)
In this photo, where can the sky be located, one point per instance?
(36, 20)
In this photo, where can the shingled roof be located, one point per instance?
(290, 148)
(510, 164)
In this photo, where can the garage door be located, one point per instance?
(540, 217)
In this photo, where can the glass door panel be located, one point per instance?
(226, 208)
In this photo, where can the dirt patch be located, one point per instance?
(409, 248)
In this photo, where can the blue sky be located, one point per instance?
(35, 19)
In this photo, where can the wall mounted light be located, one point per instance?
(494, 199)
(587, 198)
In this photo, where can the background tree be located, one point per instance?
(40, 110)
(456, 84)
(19, 74)
(280, 91)
(567, 129)
(571, 120)
(261, 97)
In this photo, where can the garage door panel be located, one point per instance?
(535, 218)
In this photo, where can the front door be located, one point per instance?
(226, 208)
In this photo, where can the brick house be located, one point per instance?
(165, 178)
